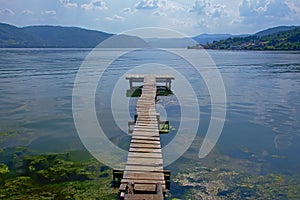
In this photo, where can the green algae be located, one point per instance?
(230, 184)
(70, 175)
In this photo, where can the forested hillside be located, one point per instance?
(282, 40)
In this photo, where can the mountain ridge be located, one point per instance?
(277, 38)
(47, 36)
(273, 30)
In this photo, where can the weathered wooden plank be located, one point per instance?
(145, 187)
(141, 145)
(143, 181)
(144, 112)
(156, 76)
(144, 168)
(152, 138)
(141, 100)
(144, 175)
(144, 155)
(146, 101)
(145, 128)
(147, 115)
(145, 141)
(146, 150)
(145, 108)
(143, 196)
(139, 130)
(150, 123)
(144, 161)
(144, 119)
(145, 134)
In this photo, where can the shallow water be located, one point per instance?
(263, 101)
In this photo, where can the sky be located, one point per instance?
(190, 17)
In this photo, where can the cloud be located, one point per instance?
(217, 11)
(171, 5)
(95, 4)
(204, 7)
(264, 8)
(158, 13)
(184, 22)
(147, 5)
(126, 10)
(26, 12)
(50, 12)
(162, 5)
(199, 7)
(68, 4)
(7, 11)
(278, 8)
(115, 18)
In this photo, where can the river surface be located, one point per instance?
(262, 88)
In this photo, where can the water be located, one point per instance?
(262, 88)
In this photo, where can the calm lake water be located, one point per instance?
(263, 101)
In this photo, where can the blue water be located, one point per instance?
(263, 100)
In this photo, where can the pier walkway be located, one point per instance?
(144, 177)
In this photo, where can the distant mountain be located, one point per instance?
(61, 37)
(274, 30)
(11, 36)
(58, 36)
(278, 38)
(124, 41)
(184, 42)
(208, 38)
(74, 37)
(170, 42)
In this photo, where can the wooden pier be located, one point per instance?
(144, 176)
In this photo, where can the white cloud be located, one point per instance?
(158, 13)
(295, 7)
(199, 7)
(68, 4)
(50, 12)
(115, 18)
(171, 5)
(218, 11)
(271, 8)
(206, 8)
(160, 5)
(184, 22)
(7, 11)
(95, 4)
(126, 10)
(26, 12)
(147, 5)
(277, 8)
